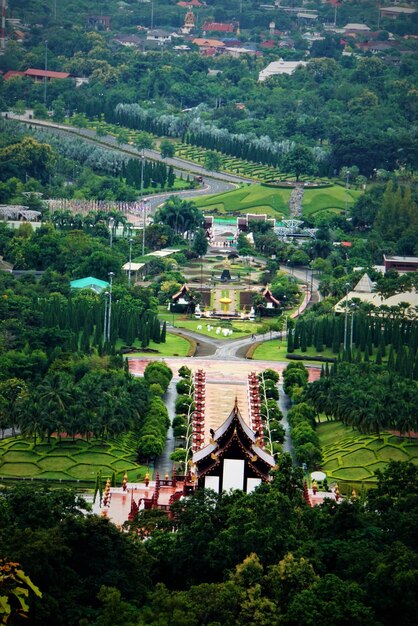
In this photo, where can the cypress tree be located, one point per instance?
(391, 360)
(335, 338)
(290, 346)
(379, 356)
(163, 333)
(415, 373)
(296, 337)
(303, 345)
(319, 346)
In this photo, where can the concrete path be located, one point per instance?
(163, 464)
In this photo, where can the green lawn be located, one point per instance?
(332, 198)
(253, 199)
(174, 346)
(274, 201)
(69, 460)
(353, 458)
(276, 350)
(241, 329)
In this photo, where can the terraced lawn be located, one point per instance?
(354, 458)
(69, 460)
(252, 199)
(274, 201)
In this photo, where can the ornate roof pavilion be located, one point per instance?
(234, 458)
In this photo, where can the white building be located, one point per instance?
(279, 67)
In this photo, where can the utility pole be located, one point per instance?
(347, 285)
(346, 192)
(46, 69)
(106, 294)
(3, 24)
(130, 261)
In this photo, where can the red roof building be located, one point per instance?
(218, 27)
(192, 3)
(41, 74)
(36, 74)
(12, 74)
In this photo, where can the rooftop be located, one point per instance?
(95, 284)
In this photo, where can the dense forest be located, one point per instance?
(261, 559)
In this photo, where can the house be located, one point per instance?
(161, 37)
(94, 284)
(39, 75)
(129, 41)
(276, 68)
(356, 29)
(393, 13)
(204, 44)
(401, 263)
(98, 22)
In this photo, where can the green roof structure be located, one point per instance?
(95, 284)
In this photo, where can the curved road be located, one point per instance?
(180, 165)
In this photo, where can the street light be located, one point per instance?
(347, 286)
(111, 275)
(111, 223)
(130, 261)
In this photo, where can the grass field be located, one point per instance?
(254, 199)
(333, 198)
(276, 350)
(69, 460)
(241, 329)
(354, 458)
(174, 346)
(274, 201)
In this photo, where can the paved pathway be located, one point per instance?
(163, 463)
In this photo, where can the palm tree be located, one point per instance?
(54, 398)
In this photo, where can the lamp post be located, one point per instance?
(142, 201)
(130, 261)
(46, 69)
(109, 317)
(106, 294)
(353, 308)
(111, 224)
(347, 286)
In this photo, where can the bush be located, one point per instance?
(185, 372)
(270, 374)
(183, 404)
(184, 387)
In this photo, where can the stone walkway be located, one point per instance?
(295, 200)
